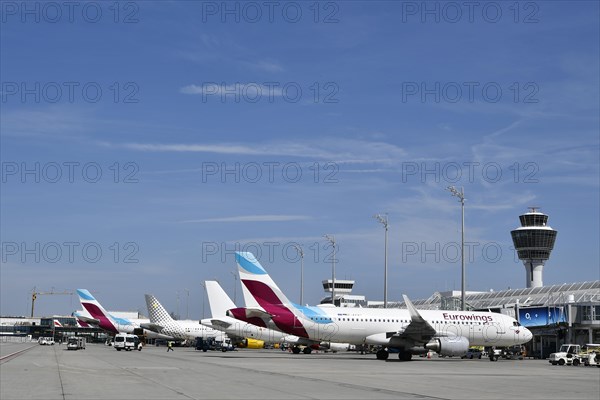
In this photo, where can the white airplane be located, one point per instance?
(95, 314)
(310, 345)
(410, 331)
(253, 336)
(161, 322)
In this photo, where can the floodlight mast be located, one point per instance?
(331, 239)
(203, 295)
(461, 198)
(301, 254)
(234, 286)
(383, 219)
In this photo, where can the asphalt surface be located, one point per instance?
(100, 372)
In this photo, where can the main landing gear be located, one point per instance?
(383, 354)
(297, 350)
(405, 355)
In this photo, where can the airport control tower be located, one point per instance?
(534, 240)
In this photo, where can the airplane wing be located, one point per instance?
(152, 327)
(220, 323)
(418, 331)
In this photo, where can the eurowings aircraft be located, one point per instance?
(103, 319)
(410, 331)
(298, 341)
(253, 336)
(161, 322)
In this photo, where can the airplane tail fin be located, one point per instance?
(218, 300)
(157, 312)
(95, 309)
(258, 287)
(273, 306)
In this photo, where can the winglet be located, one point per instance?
(412, 310)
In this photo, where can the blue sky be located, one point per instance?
(213, 133)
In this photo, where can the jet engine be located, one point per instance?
(456, 346)
(335, 347)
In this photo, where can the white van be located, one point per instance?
(76, 343)
(46, 341)
(125, 341)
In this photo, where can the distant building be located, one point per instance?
(343, 298)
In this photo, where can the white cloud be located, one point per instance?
(249, 91)
(342, 151)
(265, 65)
(56, 122)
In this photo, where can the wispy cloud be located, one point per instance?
(265, 65)
(56, 122)
(250, 90)
(252, 218)
(342, 151)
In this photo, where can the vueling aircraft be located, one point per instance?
(161, 322)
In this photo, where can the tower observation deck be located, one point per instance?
(534, 240)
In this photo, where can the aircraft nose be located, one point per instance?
(528, 335)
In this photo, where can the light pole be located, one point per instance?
(234, 286)
(331, 239)
(203, 295)
(178, 317)
(384, 220)
(461, 198)
(301, 254)
(187, 304)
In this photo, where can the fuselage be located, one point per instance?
(236, 328)
(376, 326)
(189, 330)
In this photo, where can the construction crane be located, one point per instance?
(35, 294)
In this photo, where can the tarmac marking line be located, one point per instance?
(62, 388)
(10, 356)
